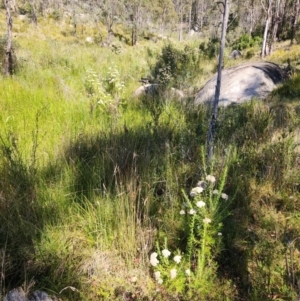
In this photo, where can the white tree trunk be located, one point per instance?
(264, 51)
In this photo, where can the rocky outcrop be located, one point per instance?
(18, 294)
(151, 89)
(235, 54)
(242, 83)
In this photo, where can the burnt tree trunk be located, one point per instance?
(8, 68)
(212, 126)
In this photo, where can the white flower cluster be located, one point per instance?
(211, 179)
(173, 273)
(157, 277)
(200, 204)
(201, 186)
(195, 191)
(188, 272)
(177, 258)
(166, 253)
(153, 259)
(207, 220)
(154, 262)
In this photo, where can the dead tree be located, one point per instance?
(8, 68)
(212, 126)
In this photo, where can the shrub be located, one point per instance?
(26, 9)
(192, 269)
(54, 14)
(105, 94)
(249, 54)
(211, 49)
(246, 41)
(175, 67)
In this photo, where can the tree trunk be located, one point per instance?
(190, 18)
(180, 23)
(274, 35)
(8, 69)
(277, 19)
(295, 19)
(212, 127)
(134, 35)
(264, 51)
(251, 9)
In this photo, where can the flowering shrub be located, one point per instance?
(105, 94)
(202, 212)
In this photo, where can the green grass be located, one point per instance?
(85, 197)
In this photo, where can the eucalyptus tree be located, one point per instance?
(136, 11)
(179, 8)
(184, 12)
(277, 18)
(201, 13)
(250, 14)
(111, 12)
(164, 13)
(295, 18)
(267, 7)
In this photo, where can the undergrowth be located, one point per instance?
(93, 181)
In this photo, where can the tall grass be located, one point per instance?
(86, 197)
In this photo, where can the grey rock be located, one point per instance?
(17, 294)
(145, 89)
(242, 83)
(150, 89)
(39, 296)
(235, 54)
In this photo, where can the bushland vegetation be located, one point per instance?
(105, 196)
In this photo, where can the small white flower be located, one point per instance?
(159, 281)
(173, 273)
(182, 212)
(153, 259)
(177, 258)
(153, 255)
(154, 262)
(215, 191)
(207, 220)
(166, 253)
(188, 272)
(192, 211)
(195, 191)
(211, 179)
(200, 204)
(224, 196)
(220, 234)
(157, 275)
(133, 279)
